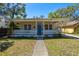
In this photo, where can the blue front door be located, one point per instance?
(39, 28)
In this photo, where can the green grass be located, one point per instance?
(77, 34)
(62, 47)
(21, 47)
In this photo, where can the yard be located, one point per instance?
(62, 47)
(20, 47)
(77, 34)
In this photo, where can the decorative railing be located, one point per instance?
(34, 32)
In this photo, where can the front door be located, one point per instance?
(39, 28)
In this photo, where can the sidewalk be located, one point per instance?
(40, 49)
(70, 35)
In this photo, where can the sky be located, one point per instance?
(37, 9)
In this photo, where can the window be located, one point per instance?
(50, 26)
(46, 26)
(29, 27)
(34, 27)
(25, 27)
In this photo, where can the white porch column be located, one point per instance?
(36, 27)
(48, 25)
(43, 27)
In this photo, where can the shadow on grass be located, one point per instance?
(5, 45)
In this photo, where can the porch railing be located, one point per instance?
(51, 32)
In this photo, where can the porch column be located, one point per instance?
(43, 27)
(48, 25)
(36, 27)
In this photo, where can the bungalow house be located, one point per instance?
(37, 27)
(70, 27)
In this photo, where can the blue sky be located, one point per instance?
(37, 9)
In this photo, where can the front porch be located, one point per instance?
(33, 33)
(36, 28)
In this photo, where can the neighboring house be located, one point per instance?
(70, 27)
(37, 27)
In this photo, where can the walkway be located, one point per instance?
(70, 35)
(40, 48)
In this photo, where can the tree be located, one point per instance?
(2, 7)
(50, 15)
(12, 26)
(69, 11)
(13, 10)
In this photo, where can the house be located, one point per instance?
(32, 27)
(70, 27)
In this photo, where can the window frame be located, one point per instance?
(25, 27)
(46, 27)
(30, 27)
(50, 26)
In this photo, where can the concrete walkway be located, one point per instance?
(40, 48)
(70, 35)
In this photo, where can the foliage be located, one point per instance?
(12, 26)
(68, 12)
(2, 7)
(76, 31)
(3, 32)
(13, 10)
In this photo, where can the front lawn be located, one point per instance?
(62, 47)
(77, 34)
(20, 47)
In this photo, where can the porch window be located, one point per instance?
(29, 27)
(50, 26)
(34, 27)
(46, 26)
(25, 27)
